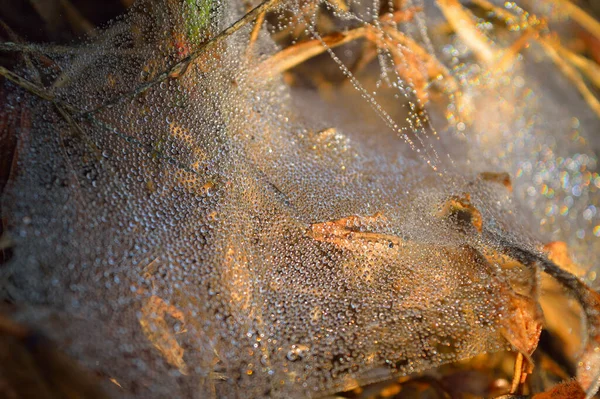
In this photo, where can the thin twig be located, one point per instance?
(36, 90)
(182, 65)
(54, 49)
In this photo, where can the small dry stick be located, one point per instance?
(520, 374)
(27, 85)
(298, 53)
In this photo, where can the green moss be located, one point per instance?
(197, 19)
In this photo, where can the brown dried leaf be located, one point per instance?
(588, 366)
(523, 326)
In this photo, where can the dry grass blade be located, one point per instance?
(581, 17)
(13, 36)
(79, 23)
(516, 382)
(502, 13)
(510, 54)
(255, 31)
(462, 24)
(590, 69)
(405, 47)
(572, 74)
(562, 57)
(298, 53)
(37, 48)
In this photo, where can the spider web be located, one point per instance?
(169, 237)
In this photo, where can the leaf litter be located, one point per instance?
(189, 221)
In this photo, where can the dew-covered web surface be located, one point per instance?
(222, 234)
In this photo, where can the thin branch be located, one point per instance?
(182, 65)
